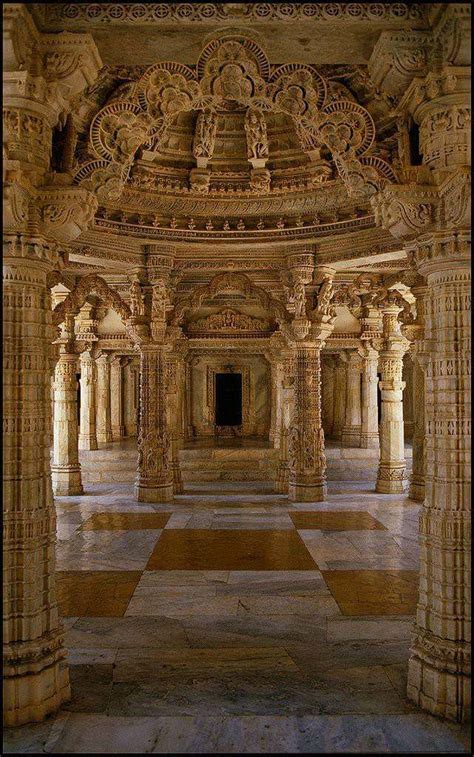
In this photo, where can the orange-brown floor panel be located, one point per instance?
(350, 520)
(98, 593)
(374, 592)
(199, 549)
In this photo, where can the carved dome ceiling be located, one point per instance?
(233, 140)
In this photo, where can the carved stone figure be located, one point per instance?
(256, 133)
(137, 304)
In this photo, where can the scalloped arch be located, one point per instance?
(230, 280)
(90, 284)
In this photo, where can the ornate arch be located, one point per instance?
(90, 284)
(230, 280)
(232, 71)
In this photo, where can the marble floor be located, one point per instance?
(234, 621)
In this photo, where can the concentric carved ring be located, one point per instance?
(115, 132)
(348, 123)
(289, 73)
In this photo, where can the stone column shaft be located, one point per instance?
(369, 435)
(130, 409)
(155, 481)
(391, 476)
(276, 409)
(327, 395)
(66, 470)
(117, 400)
(103, 419)
(174, 381)
(307, 462)
(352, 425)
(417, 478)
(340, 380)
(439, 668)
(88, 381)
(35, 673)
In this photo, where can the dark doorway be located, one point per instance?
(228, 399)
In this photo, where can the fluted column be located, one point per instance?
(88, 383)
(439, 667)
(340, 383)
(103, 419)
(65, 468)
(391, 476)
(369, 434)
(117, 399)
(155, 480)
(352, 426)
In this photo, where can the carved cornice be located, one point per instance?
(74, 15)
(66, 211)
(405, 210)
(397, 58)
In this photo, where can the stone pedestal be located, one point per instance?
(369, 434)
(155, 479)
(352, 426)
(103, 418)
(88, 382)
(117, 399)
(65, 469)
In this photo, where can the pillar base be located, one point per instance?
(369, 441)
(66, 481)
(417, 489)
(33, 695)
(87, 442)
(281, 483)
(350, 438)
(391, 480)
(157, 493)
(177, 479)
(104, 438)
(442, 692)
(299, 492)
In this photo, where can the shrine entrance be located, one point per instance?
(228, 399)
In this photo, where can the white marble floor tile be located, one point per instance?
(106, 550)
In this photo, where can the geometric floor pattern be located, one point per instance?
(235, 621)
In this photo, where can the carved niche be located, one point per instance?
(228, 322)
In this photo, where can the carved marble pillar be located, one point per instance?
(408, 411)
(88, 382)
(417, 478)
(327, 394)
(419, 357)
(173, 386)
(439, 667)
(369, 434)
(307, 461)
(340, 383)
(103, 419)
(130, 408)
(41, 74)
(391, 476)
(65, 468)
(117, 399)
(155, 480)
(276, 379)
(287, 406)
(35, 673)
(352, 425)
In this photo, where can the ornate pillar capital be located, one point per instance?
(405, 210)
(397, 57)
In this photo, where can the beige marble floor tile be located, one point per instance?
(121, 521)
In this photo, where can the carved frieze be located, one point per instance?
(228, 320)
